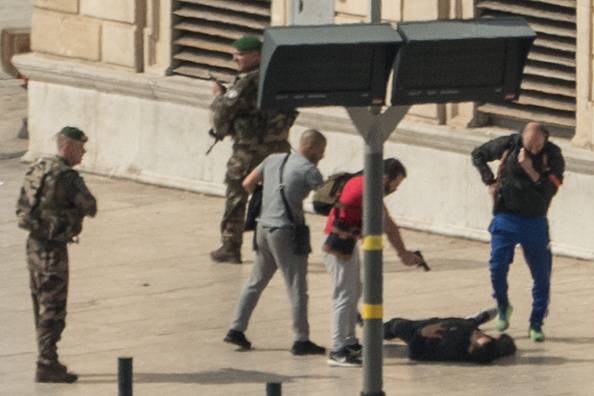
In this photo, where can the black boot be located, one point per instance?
(238, 338)
(54, 372)
(226, 255)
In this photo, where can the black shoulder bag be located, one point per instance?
(301, 240)
(253, 209)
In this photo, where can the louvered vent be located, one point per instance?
(548, 86)
(204, 30)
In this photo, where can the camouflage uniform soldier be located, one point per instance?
(256, 134)
(52, 204)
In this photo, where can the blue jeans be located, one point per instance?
(532, 234)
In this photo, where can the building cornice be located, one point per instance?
(83, 75)
(198, 93)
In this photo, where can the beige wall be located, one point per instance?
(135, 35)
(104, 31)
(15, 14)
(584, 136)
(157, 37)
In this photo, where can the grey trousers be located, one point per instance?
(346, 281)
(275, 251)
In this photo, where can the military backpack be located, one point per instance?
(326, 196)
(43, 216)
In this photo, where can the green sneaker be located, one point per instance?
(502, 322)
(535, 332)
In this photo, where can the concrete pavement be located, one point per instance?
(142, 285)
(13, 109)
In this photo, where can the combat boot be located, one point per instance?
(57, 366)
(226, 255)
(54, 372)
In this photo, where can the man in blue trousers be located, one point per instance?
(529, 175)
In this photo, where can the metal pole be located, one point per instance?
(125, 376)
(375, 129)
(372, 312)
(373, 229)
(375, 11)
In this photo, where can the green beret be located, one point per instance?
(74, 133)
(247, 43)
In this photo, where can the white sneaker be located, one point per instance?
(343, 358)
(485, 315)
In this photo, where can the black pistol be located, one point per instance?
(422, 263)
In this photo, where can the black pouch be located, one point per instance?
(341, 240)
(253, 209)
(301, 240)
(254, 240)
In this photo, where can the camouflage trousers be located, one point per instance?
(243, 160)
(48, 270)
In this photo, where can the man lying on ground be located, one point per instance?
(451, 339)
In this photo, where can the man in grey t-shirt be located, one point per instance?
(274, 238)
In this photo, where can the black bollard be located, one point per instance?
(125, 376)
(273, 389)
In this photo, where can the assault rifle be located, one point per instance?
(223, 89)
(216, 140)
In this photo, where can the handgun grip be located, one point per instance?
(422, 263)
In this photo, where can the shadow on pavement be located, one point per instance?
(220, 377)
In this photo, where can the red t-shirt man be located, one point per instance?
(343, 264)
(350, 208)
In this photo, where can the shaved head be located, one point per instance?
(312, 145)
(534, 137)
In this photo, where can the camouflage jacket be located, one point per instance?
(54, 200)
(236, 114)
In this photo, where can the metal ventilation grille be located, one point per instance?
(204, 30)
(548, 86)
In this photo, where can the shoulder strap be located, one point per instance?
(337, 203)
(503, 157)
(282, 191)
(510, 147)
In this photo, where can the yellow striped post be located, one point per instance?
(373, 242)
(372, 311)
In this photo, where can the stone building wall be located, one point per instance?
(15, 23)
(15, 14)
(104, 31)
